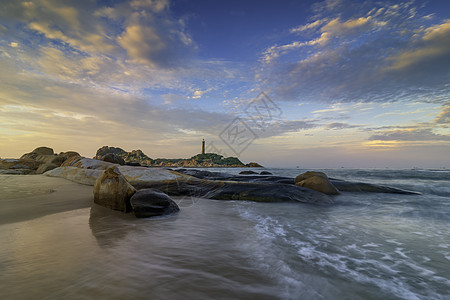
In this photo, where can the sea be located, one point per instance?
(364, 246)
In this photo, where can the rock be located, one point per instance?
(317, 181)
(265, 173)
(22, 163)
(79, 175)
(133, 164)
(149, 203)
(254, 165)
(346, 186)
(45, 167)
(38, 151)
(71, 160)
(50, 159)
(112, 190)
(310, 174)
(68, 154)
(113, 158)
(17, 172)
(247, 172)
(43, 151)
(89, 163)
(248, 191)
(142, 177)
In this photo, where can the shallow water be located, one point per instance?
(365, 246)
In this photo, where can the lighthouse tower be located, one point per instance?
(203, 146)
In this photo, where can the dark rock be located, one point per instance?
(341, 185)
(265, 173)
(149, 203)
(113, 158)
(133, 164)
(247, 172)
(250, 191)
(202, 174)
(254, 165)
(346, 186)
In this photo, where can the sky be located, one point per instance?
(314, 84)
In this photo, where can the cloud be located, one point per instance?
(308, 26)
(197, 94)
(414, 134)
(144, 45)
(339, 126)
(444, 116)
(140, 31)
(431, 50)
(358, 53)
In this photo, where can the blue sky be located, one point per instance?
(348, 83)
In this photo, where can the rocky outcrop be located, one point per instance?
(317, 181)
(136, 156)
(247, 191)
(89, 163)
(38, 161)
(113, 191)
(150, 203)
(247, 172)
(38, 151)
(265, 173)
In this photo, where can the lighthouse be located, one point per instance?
(203, 146)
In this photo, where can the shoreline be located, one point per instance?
(26, 197)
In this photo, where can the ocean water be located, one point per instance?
(365, 246)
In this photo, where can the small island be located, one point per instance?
(202, 160)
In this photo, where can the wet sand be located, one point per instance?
(26, 197)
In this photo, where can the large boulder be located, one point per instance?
(113, 158)
(69, 161)
(38, 151)
(89, 163)
(317, 181)
(79, 175)
(68, 154)
(142, 177)
(113, 191)
(149, 203)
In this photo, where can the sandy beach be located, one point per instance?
(25, 197)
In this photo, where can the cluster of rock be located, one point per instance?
(112, 190)
(38, 161)
(145, 191)
(135, 157)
